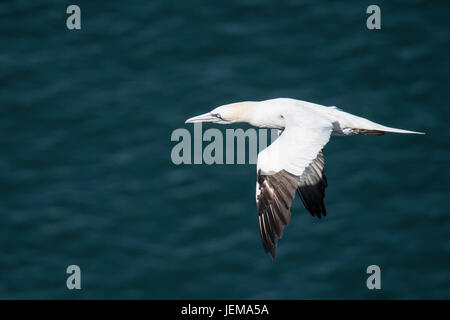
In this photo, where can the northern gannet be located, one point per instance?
(294, 161)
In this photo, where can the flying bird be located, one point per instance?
(294, 161)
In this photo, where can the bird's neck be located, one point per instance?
(263, 115)
(243, 111)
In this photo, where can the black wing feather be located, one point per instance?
(274, 201)
(312, 186)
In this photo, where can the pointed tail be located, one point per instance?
(364, 126)
(382, 129)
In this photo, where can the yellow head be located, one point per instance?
(230, 113)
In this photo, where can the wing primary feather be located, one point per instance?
(312, 186)
(276, 192)
(292, 162)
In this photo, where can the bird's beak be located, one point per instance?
(207, 117)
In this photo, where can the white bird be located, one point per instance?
(294, 161)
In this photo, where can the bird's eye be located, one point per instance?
(218, 116)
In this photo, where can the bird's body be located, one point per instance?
(294, 161)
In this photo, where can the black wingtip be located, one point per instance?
(312, 185)
(273, 253)
(274, 200)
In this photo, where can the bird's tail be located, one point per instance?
(364, 126)
(380, 130)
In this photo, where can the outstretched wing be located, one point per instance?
(287, 164)
(295, 149)
(311, 188)
(275, 193)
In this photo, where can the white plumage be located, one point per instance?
(295, 160)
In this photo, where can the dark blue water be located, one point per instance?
(86, 176)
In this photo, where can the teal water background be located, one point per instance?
(86, 176)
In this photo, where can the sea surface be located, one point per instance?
(86, 176)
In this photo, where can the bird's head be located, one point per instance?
(226, 114)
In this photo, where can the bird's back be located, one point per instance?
(344, 123)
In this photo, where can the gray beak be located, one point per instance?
(207, 117)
